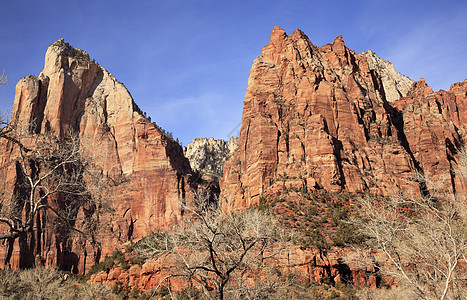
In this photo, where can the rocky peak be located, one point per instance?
(153, 176)
(338, 45)
(395, 84)
(207, 155)
(62, 48)
(458, 85)
(278, 35)
(328, 118)
(419, 88)
(60, 55)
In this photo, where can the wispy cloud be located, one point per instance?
(433, 49)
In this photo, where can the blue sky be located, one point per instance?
(186, 63)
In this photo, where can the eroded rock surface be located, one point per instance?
(327, 117)
(209, 155)
(149, 169)
(305, 265)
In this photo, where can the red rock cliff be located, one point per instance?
(327, 117)
(74, 93)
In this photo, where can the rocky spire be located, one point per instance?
(330, 118)
(148, 167)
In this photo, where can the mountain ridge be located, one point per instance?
(326, 118)
(314, 118)
(73, 93)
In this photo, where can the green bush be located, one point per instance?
(117, 257)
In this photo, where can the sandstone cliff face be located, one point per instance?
(327, 117)
(74, 93)
(208, 156)
(435, 127)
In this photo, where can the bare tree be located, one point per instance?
(50, 175)
(41, 283)
(224, 254)
(5, 127)
(421, 242)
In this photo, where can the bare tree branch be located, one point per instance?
(423, 242)
(51, 174)
(219, 251)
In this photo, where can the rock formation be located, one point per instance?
(395, 85)
(308, 266)
(208, 156)
(314, 117)
(327, 117)
(148, 167)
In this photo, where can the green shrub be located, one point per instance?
(117, 257)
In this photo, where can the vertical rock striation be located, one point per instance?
(327, 117)
(75, 94)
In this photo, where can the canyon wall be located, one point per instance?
(149, 171)
(314, 117)
(330, 118)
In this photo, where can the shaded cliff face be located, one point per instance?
(327, 117)
(74, 93)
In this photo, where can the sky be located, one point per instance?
(186, 63)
